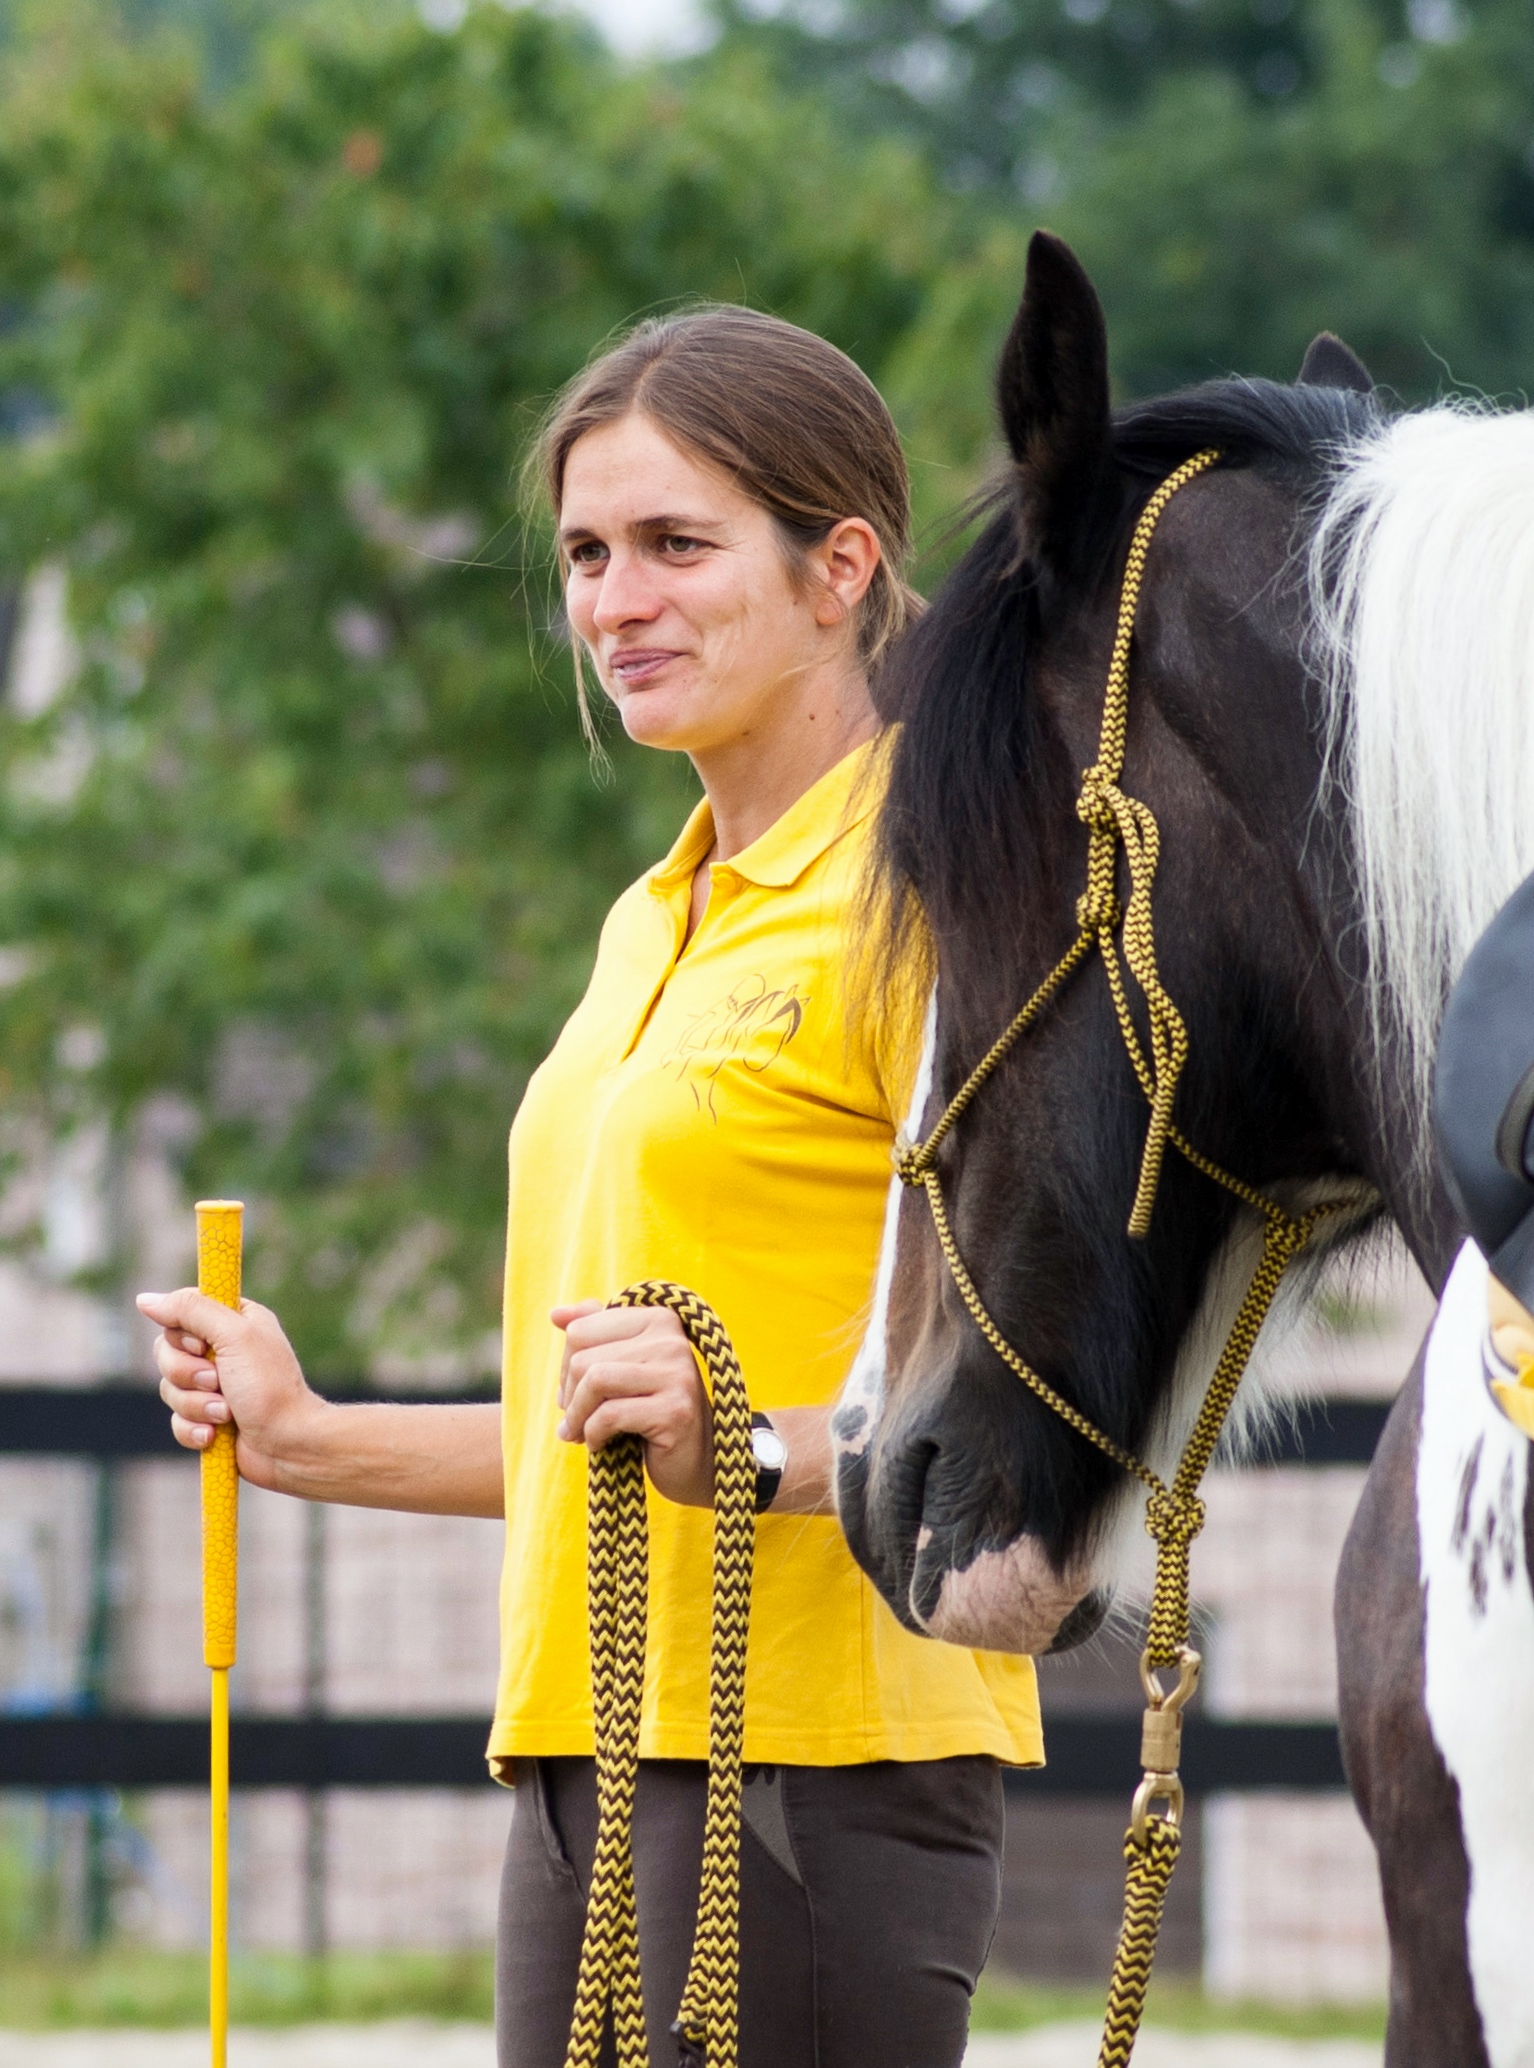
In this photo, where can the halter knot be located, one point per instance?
(1098, 911)
(1094, 803)
(1173, 1519)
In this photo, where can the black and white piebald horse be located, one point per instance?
(1332, 718)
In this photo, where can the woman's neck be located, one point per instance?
(753, 780)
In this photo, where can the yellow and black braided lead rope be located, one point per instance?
(1148, 1861)
(708, 2019)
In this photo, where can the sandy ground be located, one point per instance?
(410, 2043)
(1075, 2046)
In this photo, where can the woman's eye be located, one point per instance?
(589, 554)
(678, 545)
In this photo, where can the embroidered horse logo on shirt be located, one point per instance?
(752, 1024)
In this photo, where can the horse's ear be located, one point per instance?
(1331, 364)
(1052, 389)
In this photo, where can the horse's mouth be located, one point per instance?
(1007, 1600)
(987, 1597)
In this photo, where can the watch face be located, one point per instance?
(769, 1450)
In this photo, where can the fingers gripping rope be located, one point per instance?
(708, 2020)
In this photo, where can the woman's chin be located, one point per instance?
(652, 719)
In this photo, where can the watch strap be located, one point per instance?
(768, 1477)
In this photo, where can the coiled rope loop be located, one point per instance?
(1174, 1514)
(618, 1586)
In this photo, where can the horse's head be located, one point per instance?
(981, 1517)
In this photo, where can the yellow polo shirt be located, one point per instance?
(713, 1114)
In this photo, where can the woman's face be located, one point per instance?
(679, 587)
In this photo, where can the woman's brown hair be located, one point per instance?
(797, 426)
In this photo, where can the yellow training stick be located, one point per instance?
(219, 1226)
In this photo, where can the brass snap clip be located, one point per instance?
(1161, 1739)
(1155, 1788)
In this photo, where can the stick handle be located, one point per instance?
(219, 1229)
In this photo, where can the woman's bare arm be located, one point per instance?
(424, 1460)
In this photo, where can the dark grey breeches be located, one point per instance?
(869, 1896)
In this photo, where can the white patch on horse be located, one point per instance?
(1005, 1601)
(852, 1422)
(1472, 1468)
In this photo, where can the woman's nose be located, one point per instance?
(625, 596)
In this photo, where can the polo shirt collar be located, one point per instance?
(842, 799)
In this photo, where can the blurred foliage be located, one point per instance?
(1236, 174)
(979, 81)
(304, 867)
(311, 841)
(223, 34)
(131, 1985)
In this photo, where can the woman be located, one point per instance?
(731, 502)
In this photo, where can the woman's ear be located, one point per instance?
(845, 562)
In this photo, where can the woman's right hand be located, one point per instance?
(256, 1381)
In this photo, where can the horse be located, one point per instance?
(1331, 715)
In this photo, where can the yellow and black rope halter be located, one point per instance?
(618, 1588)
(1174, 1513)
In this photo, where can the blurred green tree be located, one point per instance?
(311, 840)
(1237, 174)
(978, 81)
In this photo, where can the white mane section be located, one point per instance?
(1423, 585)
(851, 1432)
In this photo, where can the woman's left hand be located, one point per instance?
(632, 1368)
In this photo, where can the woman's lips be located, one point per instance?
(640, 664)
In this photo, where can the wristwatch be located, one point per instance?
(771, 1455)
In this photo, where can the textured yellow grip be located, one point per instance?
(219, 1226)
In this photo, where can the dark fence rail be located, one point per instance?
(1089, 1755)
(138, 1751)
(1092, 1755)
(128, 1421)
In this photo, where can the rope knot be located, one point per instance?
(1173, 1519)
(1098, 911)
(1094, 804)
(912, 1160)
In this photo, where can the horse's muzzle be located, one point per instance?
(1006, 1598)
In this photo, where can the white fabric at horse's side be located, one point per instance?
(865, 1382)
(1472, 1472)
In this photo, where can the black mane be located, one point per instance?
(1249, 420)
(973, 774)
